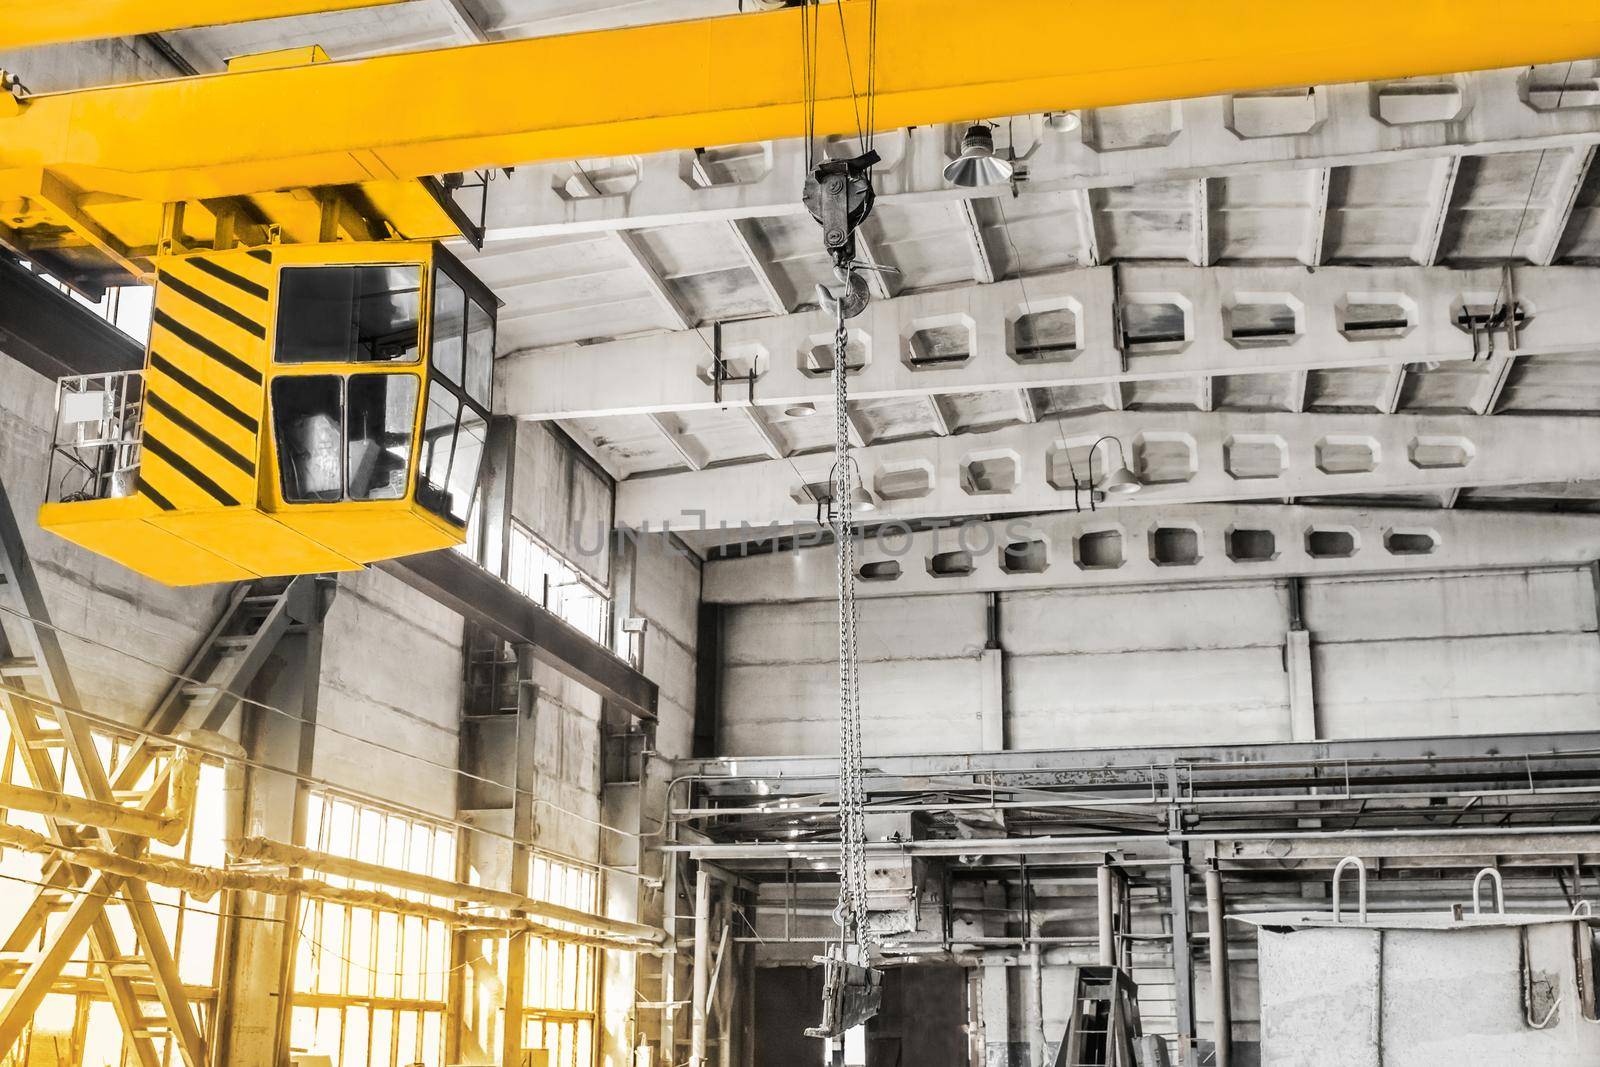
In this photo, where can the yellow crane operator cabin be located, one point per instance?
(302, 408)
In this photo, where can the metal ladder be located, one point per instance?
(1103, 1029)
(45, 730)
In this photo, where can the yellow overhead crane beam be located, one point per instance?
(28, 23)
(737, 79)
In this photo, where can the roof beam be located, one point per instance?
(1575, 165)
(743, 234)
(1203, 254)
(928, 73)
(678, 316)
(30, 23)
(1205, 143)
(671, 372)
(1437, 211)
(690, 451)
(1321, 179)
(1182, 457)
(983, 271)
(463, 21)
(1461, 540)
(773, 446)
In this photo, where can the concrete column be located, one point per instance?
(1297, 663)
(1217, 934)
(995, 1000)
(1182, 964)
(992, 699)
(1106, 885)
(1036, 1034)
(1302, 697)
(702, 968)
(524, 732)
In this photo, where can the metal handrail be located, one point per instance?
(1361, 885)
(1499, 891)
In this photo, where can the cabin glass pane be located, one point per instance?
(438, 448)
(308, 425)
(480, 352)
(449, 326)
(361, 314)
(380, 413)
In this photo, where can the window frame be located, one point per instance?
(424, 315)
(543, 595)
(473, 292)
(331, 370)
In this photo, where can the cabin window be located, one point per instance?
(344, 439)
(357, 314)
(307, 420)
(480, 352)
(381, 413)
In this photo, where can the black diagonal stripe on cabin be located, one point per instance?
(210, 396)
(223, 274)
(204, 344)
(189, 471)
(212, 441)
(213, 305)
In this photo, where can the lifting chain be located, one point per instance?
(852, 908)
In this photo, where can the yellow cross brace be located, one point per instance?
(737, 79)
(26, 23)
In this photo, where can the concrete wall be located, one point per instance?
(391, 674)
(563, 497)
(665, 591)
(1488, 652)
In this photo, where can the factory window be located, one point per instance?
(370, 984)
(76, 1025)
(562, 995)
(350, 314)
(539, 573)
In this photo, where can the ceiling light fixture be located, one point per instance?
(977, 165)
(1117, 481)
(802, 410)
(861, 499)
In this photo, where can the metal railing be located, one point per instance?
(97, 441)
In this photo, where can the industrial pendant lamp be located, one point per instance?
(1121, 482)
(977, 165)
(1117, 481)
(861, 500)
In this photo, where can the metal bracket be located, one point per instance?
(719, 369)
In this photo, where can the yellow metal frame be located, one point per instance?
(736, 79)
(98, 166)
(245, 528)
